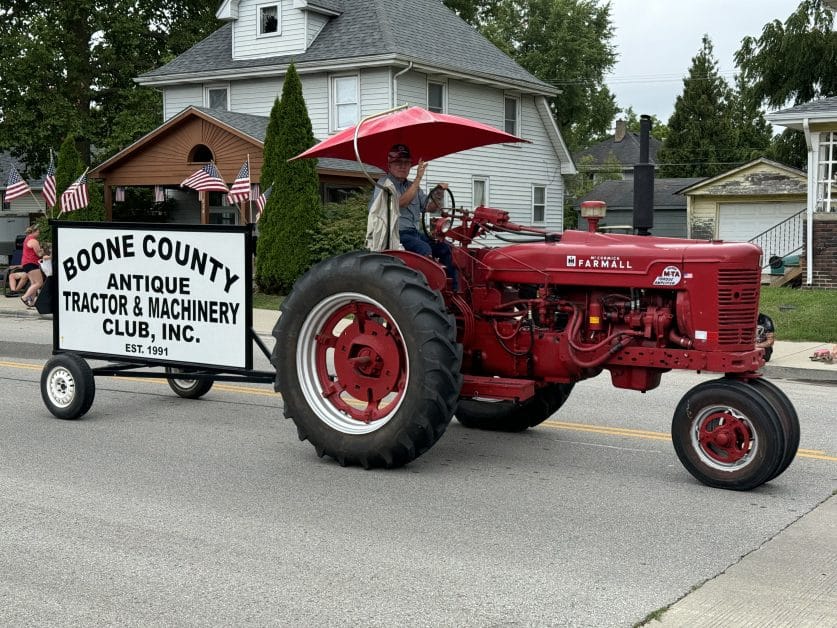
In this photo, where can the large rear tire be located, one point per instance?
(509, 416)
(366, 360)
(728, 435)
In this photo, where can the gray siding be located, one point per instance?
(177, 98)
(248, 45)
(255, 97)
(412, 89)
(374, 90)
(316, 22)
(315, 91)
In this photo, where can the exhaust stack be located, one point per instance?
(644, 182)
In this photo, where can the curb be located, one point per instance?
(796, 373)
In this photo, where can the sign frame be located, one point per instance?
(245, 334)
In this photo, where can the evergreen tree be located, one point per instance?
(701, 139)
(69, 166)
(293, 209)
(752, 131)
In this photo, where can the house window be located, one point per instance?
(512, 115)
(345, 99)
(200, 154)
(827, 173)
(269, 19)
(436, 97)
(217, 97)
(479, 191)
(538, 203)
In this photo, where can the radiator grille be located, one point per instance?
(738, 305)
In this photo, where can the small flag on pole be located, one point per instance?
(75, 197)
(207, 179)
(120, 194)
(159, 194)
(15, 186)
(48, 191)
(262, 201)
(240, 190)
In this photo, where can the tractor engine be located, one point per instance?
(557, 312)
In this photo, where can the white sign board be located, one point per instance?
(154, 293)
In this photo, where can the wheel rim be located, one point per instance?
(180, 382)
(61, 386)
(352, 363)
(724, 438)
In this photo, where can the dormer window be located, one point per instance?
(268, 19)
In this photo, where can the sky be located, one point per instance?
(656, 40)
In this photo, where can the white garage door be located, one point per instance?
(741, 222)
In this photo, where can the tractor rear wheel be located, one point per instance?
(788, 419)
(509, 416)
(728, 435)
(366, 360)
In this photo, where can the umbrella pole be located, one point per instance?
(389, 216)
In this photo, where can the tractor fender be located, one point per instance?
(433, 272)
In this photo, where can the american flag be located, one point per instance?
(262, 201)
(15, 186)
(159, 194)
(207, 179)
(48, 191)
(240, 190)
(75, 197)
(120, 194)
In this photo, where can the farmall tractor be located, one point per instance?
(375, 353)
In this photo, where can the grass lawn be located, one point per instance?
(803, 315)
(262, 301)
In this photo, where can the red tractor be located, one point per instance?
(375, 353)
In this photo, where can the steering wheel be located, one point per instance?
(444, 222)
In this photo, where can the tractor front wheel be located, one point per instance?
(509, 416)
(729, 435)
(366, 360)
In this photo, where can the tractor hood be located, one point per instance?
(583, 258)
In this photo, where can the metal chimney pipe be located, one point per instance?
(644, 182)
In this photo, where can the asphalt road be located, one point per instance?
(155, 510)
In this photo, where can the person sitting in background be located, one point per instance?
(765, 335)
(17, 280)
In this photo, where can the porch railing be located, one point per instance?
(782, 239)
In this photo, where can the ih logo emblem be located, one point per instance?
(670, 276)
(571, 261)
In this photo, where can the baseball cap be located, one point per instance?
(398, 151)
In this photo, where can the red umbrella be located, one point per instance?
(429, 135)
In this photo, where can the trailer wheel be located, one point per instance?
(728, 435)
(185, 387)
(508, 416)
(67, 386)
(366, 360)
(788, 419)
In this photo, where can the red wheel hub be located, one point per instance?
(725, 437)
(361, 363)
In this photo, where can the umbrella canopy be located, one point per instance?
(428, 135)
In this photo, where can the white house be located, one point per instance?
(357, 57)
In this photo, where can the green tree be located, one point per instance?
(566, 43)
(659, 129)
(701, 139)
(68, 67)
(790, 63)
(752, 132)
(293, 210)
(69, 166)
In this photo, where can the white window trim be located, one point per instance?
(444, 85)
(206, 89)
(486, 180)
(332, 99)
(265, 5)
(519, 112)
(545, 196)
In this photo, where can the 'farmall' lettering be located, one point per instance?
(599, 261)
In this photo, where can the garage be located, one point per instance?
(741, 222)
